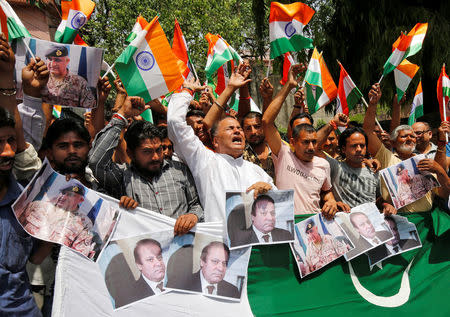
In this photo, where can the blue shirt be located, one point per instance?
(15, 249)
(448, 149)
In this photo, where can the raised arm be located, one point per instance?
(441, 157)
(339, 120)
(396, 109)
(238, 79)
(273, 137)
(108, 173)
(299, 107)
(98, 114)
(244, 97)
(266, 91)
(369, 119)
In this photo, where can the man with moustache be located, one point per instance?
(256, 149)
(194, 118)
(299, 168)
(403, 142)
(160, 185)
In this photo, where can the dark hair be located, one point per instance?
(163, 131)
(349, 132)
(139, 131)
(302, 127)
(354, 124)
(252, 115)
(62, 126)
(213, 130)
(6, 119)
(301, 116)
(143, 242)
(259, 198)
(195, 113)
(211, 245)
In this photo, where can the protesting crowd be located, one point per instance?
(181, 165)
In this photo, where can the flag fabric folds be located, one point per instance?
(443, 95)
(403, 74)
(417, 105)
(75, 14)
(320, 87)
(286, 23)
(288, 61)
(180, 49)
(348, 94)
(219, 52)
(10, 23)
(147, 67)
(137, 28)
(405, 46)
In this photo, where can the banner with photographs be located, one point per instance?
(406, 238)
(65, 212)
(365, 227)
(268, 219)
(405, 183)
(318, 242)
(74, 71)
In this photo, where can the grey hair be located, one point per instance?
(394, 134)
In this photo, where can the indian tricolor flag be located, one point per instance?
(405, 46)
(417, 105)
(403, 74)
(348, 94)
(10, 24)
(443, 95)
(137, 28)
(180, 49)
(288, 61)
(147, 67)
(57, 111)
(286, 23)
(219, 52)
(320, 87)
(75, 14)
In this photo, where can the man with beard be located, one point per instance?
(403, 142)
(296, 166)
(256, 150)
(163, 186)
(423, 141)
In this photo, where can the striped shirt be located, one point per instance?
(172, 192)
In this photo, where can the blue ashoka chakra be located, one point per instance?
(78, 20)
(289, 29)
(145, 60)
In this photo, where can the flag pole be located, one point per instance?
(444, 112)
(381, 78)
(28, 48)
(367, 106)
(268, 69)
(109, 70)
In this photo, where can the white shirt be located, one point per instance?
(371, 241)
(260, 235)
(205, 285)
(214, 173)
(33, 120)
(152, 285)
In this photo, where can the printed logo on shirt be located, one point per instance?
(298, 172)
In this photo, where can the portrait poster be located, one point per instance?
(268, 219)
(406, 238)
(365, 227)
(405, 183)
(318, 242)
(74, 71)
(134, 268)
(65, 212)
(203, 264)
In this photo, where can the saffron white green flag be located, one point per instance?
(348, 94)
(403, 74)
(10, 24)
(219, 52)
(75, 14)
(417, 105)
(443, 95)
(320, 87)
(286, 23)
(137, 28)
(148, 67)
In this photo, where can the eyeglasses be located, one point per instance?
(418, 133)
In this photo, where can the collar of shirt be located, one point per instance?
(260, 235)
(152, 284)
(229, 158)
(205, 284)
(14, 190)
(371, 240)
(433, 149)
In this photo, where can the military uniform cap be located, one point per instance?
(57, 51)
(309, 225)
(74, 188)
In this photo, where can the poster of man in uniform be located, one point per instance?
(74, 71)
(65, 212)
(268, 219)
(405, 238)
(318, 242)
(365, 227)
(135, 268)
(202, 263)
(406, 183)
